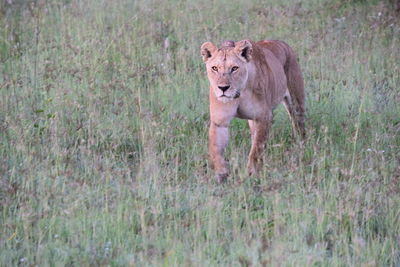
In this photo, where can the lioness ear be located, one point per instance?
(207, 49)
(244, 49)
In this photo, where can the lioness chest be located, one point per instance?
(253, 107)
(250, 107)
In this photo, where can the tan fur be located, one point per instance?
(248, 80)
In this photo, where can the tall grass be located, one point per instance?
(103, 137)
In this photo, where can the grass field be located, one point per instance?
(103, 137)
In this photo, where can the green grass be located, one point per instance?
(103, 137)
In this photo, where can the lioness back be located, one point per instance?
(288, 58)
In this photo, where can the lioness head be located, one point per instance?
(227, 67)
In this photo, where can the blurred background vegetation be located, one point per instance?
(103, 136)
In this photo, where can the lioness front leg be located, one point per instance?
(218, 137)
(259, 131)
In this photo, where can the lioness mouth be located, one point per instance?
(234, 97)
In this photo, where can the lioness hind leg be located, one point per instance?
(295, 114)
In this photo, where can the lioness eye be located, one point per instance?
(214, 68)
(235, 68)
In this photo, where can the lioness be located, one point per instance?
(248, 80)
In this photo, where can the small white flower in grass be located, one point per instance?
(107, 247)
(340, 19)
(375, 151)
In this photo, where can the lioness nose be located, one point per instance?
(224, 88)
